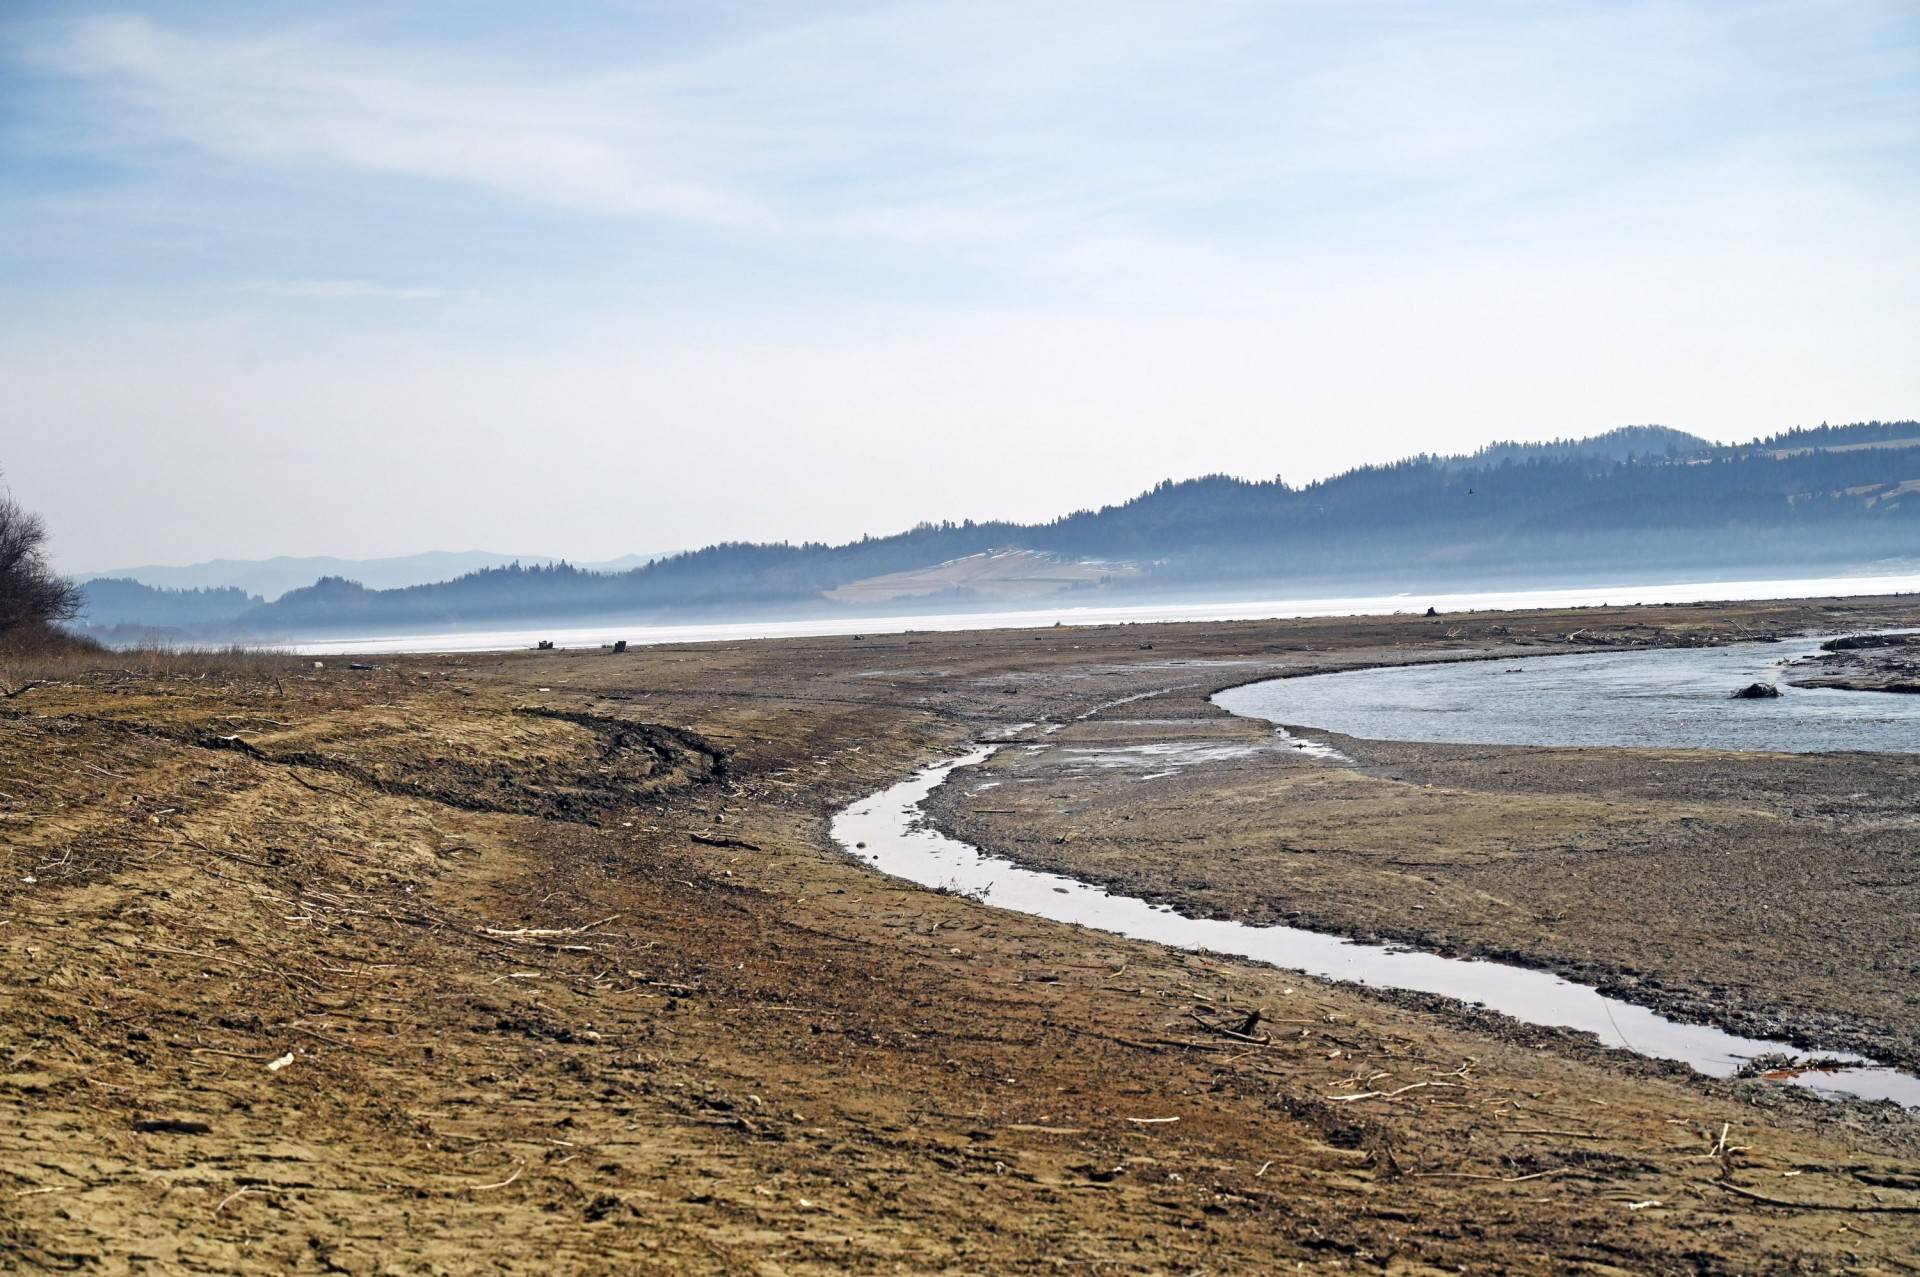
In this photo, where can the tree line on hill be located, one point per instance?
(1642, 499)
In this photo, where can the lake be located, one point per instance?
(1064, 613)
(1673, 698)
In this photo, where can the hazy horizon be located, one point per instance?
(624, 277)
(584, 561)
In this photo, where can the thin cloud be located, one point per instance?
(304, 98)
(342, 290)
(1022, 133)
(866, 253)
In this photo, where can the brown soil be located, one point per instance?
(1777, 895)
(535, 1025)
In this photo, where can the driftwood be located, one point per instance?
(723, 841)
(1244, 1031)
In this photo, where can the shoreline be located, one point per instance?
(572, 976)
(1036, 839)
(1888, 663)
(893, 831)
(1066, 612)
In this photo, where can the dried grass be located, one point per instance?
(55, 656)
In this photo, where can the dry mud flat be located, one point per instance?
(546, 963)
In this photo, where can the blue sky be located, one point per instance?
(594, 278)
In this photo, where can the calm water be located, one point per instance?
(1664, 699)
(500, 640)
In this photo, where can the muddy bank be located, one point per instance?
(1772, 895)
(624, 1006)
(890, 831)
(1863, 663)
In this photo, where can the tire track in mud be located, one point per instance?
(679, 756)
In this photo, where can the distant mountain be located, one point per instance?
(1628, 443)
(1004, 576)
(112, 602)
(273, 577)
(625, 563)
(1642, 502)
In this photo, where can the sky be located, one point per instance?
(585, 279)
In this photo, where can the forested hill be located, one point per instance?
(1628, 443)
(1636, 502)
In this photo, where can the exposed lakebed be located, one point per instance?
(1692, 683)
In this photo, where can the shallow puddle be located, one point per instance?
(1170, 755)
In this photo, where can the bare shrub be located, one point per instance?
(34, 649)
(32, 594)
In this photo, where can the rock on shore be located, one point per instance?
(1863, 663)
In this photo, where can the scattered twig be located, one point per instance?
(481, 1188)
(235, 1194)
(1244, 1033)
(1853, 1208)
(1383, 1095)
(238, 1055)
(550, 931)
(1498, 1179)
(104, 772)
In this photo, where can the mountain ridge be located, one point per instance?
(1641, 499)
(272, 577)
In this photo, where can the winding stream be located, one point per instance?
(889, 831)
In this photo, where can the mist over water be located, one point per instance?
(1619, 593)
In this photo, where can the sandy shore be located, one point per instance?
(572, 979)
